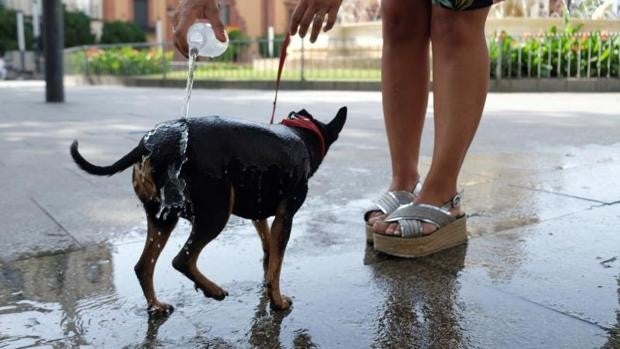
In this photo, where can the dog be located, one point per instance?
(205, 169)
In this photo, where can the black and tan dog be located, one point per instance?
(204, 170)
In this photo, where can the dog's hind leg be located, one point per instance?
(157, 235)
(263, 232)
(211, 216)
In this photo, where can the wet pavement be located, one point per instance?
(542, 268)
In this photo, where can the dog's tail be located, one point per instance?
(125, 162)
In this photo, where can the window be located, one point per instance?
(141, 13)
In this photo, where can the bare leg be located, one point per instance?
(460, 74)
(404, 82)
(157, 236)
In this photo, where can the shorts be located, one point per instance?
(464, 5)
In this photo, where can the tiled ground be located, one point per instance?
(542, 268)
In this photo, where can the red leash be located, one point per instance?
(295, 119)
(287, 40)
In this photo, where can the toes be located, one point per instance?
(375, 217)
(428, 228)
(386, 228)
(380, 227)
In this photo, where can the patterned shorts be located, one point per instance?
(463, 5)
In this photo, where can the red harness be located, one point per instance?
(294, 119)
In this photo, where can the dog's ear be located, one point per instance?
(336, 125)
(305, 113)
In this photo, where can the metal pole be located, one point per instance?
(21, 42)
(559, 67)
(53, 42)
(610, 56)
(579, 37)
(159, 33)
(519, 59)
(498, 64)
(85, 51)
(36, 33)
(302, 60)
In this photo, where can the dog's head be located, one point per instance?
(329, 131)
(319, 136)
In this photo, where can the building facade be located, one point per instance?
(252, 17)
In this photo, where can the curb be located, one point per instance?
(504, 85)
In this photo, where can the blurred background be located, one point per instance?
(130, 42)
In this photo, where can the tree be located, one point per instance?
(8, 30)
(117, 32)
(77, 29)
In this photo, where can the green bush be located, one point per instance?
(123, 61)
(559, 54)
(76, 26)
(237, 43)
(8, 30)
(263, 45)
(117, 32)
(77, 29)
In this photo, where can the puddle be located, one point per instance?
(500, 291)
(346, 297)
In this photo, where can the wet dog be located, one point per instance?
(204, 170)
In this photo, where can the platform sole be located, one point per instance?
(451, 235)
(369, 234)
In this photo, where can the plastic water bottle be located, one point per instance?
(201, 38)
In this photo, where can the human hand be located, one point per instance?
(314, 11)
(187, 12)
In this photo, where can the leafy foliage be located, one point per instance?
(263, 45)
(238, 42)
(124, 61)
(117, 32)
(569, 53)
(77, 29)
(8, 30)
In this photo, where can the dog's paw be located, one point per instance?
(160, 309)
(220, 295)
(283, 304)
(214, 292)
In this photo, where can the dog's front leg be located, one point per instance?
(280, 233)
(263, 232)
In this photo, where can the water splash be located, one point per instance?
(166, 137)
(191, 67)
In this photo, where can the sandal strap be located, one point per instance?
(411, 216)
(390, 201)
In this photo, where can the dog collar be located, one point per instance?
(300, 121)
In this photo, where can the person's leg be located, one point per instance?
(460, 81)
(405, 85)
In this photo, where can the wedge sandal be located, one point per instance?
(451, 231)
(388, 203)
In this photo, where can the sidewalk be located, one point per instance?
(541, 189)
